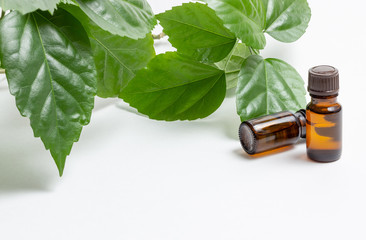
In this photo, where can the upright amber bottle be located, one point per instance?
(324, 115)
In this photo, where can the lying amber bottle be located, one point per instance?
(324, 115)
(272, 131)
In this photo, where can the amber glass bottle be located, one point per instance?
(324, 115)
(272, 131)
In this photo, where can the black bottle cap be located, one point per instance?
(323, 81)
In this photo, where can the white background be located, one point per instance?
(134, 178)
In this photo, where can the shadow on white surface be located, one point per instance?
(223, 120)
(24, 164)
(3, 87)
(3, 83)
(101, 103)
(240, 152)
(304, 158)
(22, 167)
(162, 43)
(276, 153)
(23, 173)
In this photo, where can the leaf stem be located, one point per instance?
(253, 51)
(231, 54)
(158, 36)
(2, 14)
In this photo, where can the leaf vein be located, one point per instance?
(200, 28)
(181, 85)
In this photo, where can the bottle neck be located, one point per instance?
(324, 99)
(301, 119)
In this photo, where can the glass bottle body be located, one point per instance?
(272, 131)
(324, 128)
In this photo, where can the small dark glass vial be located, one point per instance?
(272, 131)
(324, 115)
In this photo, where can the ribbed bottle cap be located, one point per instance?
(323, 81)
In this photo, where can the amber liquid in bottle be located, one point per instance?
(324, 129)
(272, 131)
(324, 115)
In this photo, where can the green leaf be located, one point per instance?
(287, 20)
(268, 86)
(51, 73)
(117, 58)
(127, 18)
(29, 5)
(196, 31)
(232, 64)
(245, 18)
(72, 2)
(176, 88)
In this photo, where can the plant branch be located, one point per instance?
(231, 53)
(253, 51)
(158, 36)
(2, 14)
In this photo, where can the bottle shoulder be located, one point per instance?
(324, 108)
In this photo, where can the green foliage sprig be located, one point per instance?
(264, 86)
(59, 54)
